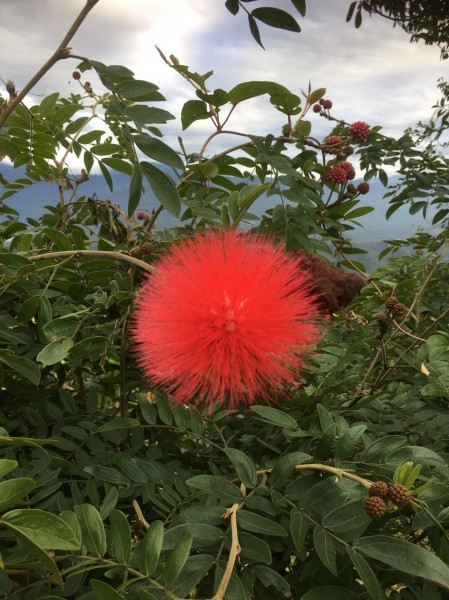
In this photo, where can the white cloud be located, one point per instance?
(371, 74)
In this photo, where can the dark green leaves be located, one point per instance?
(163, 188)
(404, 556)
(275, 17)
(273, 416)
(158, 151)
(44, 529)
(193, 110)
(252, 89)
(21, 365)
(244, 466)
(217, 487)
(92, 529)
(13, 490)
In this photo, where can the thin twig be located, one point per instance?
(96, 254)
(233, 553)
(61, 52)
(139, 514)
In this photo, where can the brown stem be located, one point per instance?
(233, 553)
(61, 52)
(95, 253)
(139, 514)
(339, 473)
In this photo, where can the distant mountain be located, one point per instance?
(30, 202)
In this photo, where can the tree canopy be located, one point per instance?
(423, 20)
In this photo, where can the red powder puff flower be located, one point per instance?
(225, 316)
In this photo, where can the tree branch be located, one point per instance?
(61, 52)
(95, 253)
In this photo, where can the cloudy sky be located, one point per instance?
(372, 74)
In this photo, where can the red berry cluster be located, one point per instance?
(340, 173)
(333, 144)
(336, 175)
(363, 187)
(347, 166)
(375, 506)
(359, 131)
(395, 307)
(323, 104)
(380, 493)
(326, 104)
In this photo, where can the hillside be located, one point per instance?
(30, 202)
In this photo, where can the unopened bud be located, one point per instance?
(11, 88)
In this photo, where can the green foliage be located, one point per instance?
(107, 489)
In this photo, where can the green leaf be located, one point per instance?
(325, 548)
(119, 423)
(135, 189)
(28, 309)
(65, 113)
(147, 114)
(21, 365)
(255, 523)
(193, 110)
(217, 487)
(91, 136)
(288, 104)
(163, 187)
(103, 591)
(120, 536)
(61, 328)
(48, 104)
(176, 561)
(316, 95)
(43, 557)
(254, 549)
(202, 535)
(405, 556)
(205, 170)
(233, 6)
(254, 29)
(55, 352)
(44, 529)
(13, 490)
(366, 573)
(252, 89)
(119, 165)
(244, 466)
(330, 592)
(273, 416)
(380, 448)
(93, 347)
(270, 577)
(105, 149)
(275, 17)
(284, 466)
(299, 528)
(300, 6)
(147, 410)
(7, 465)
(344, 448)
(158, 150)
(106, 175)
(152, 546)
(349, 520)
(139, 91)
(92, 530)
(247, 196)
(418, 454)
